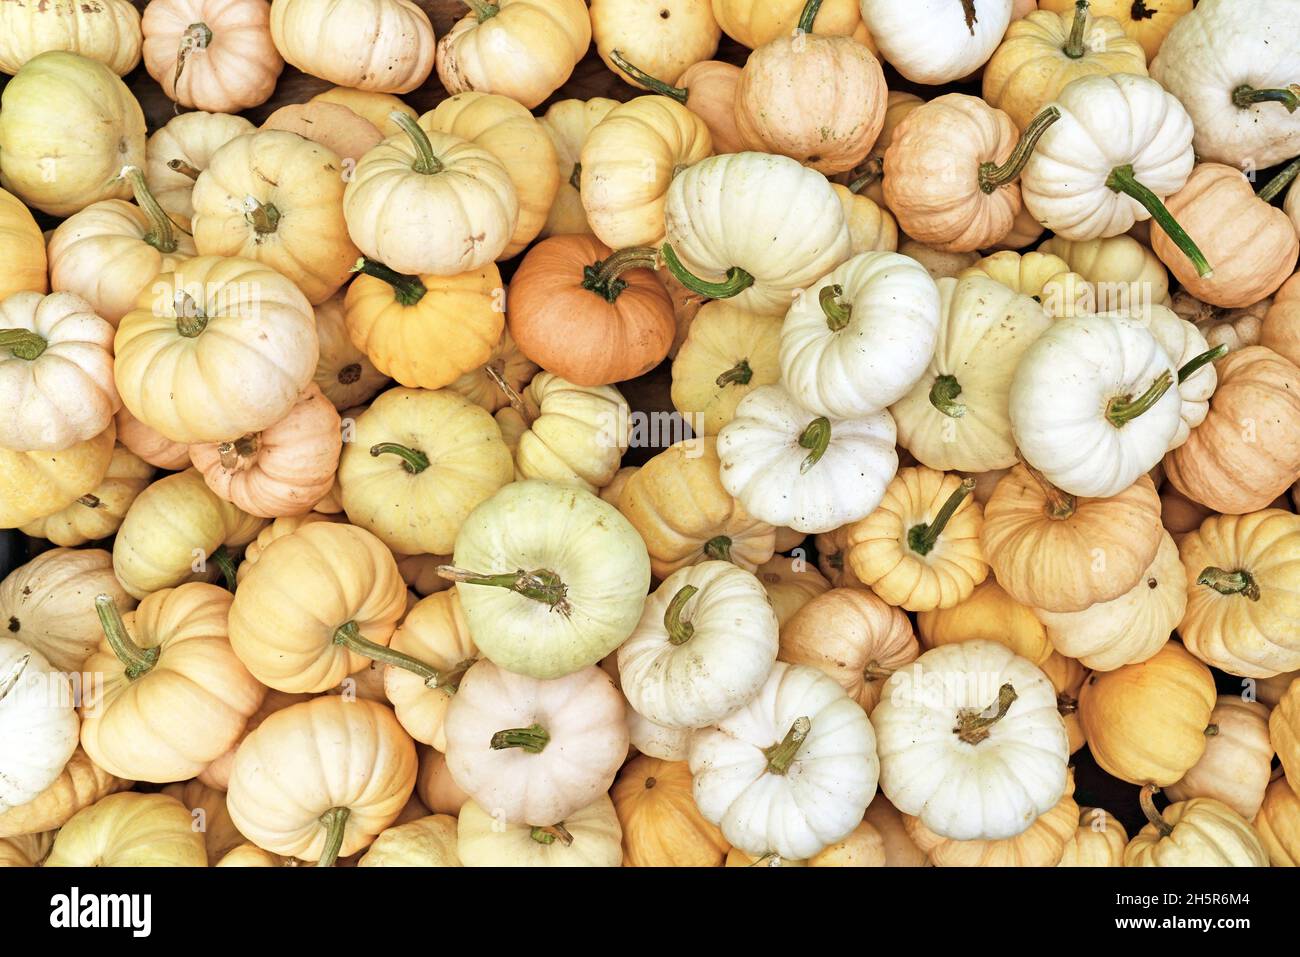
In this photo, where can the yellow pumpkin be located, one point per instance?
(755, 22)
(433, 631)
(832, 558)
(97, 514)
(1041, 276)
(1238, 758)
(425, 842)
(81, 784)
(1278, 824)
(1067, 676)
(1146, 21)
(988, 613)
(864, 847)
(1124, 274)
(280, 527)
(568, 123)
(506, 369)
(1098, 841)
(370, 105)
(36, 484)
(728, 352)
(22, 247)
(871, 227)
(1284, 731)
(25, 850)
(790, 583)
(661, 825)
(130, 830)
(663, 40)
(1201, 832)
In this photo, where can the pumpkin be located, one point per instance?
(38, 722)
(720, 244)
(1084, 182)
(217, 774)
(278, 528)
(44, 167)
(1180, 514)
(331, 125)
(416, 466)
(1212, 835)
(1270, 690)
(433, 631)
(374, 107)
(854, 637)
(1122, 274)
(1067, 676)
(26, 850)
(861, 337)
(1281, 329)
(1041, 276)
(819, 100)
(665, 40)
(1098, 841)
(863, 848)
(1247, 451)
(1276, 824)
(866, 176)
(214, 55)
(707, 88)
(899, 849)
(1041, 844)
(568, 123)
(1243, 583)
(130, 829)
(545, 40)
(109, 33)
(23, 249)
(661, 825)
(97, 514)
(957, 414)
(792, 771)
(36, 484)
(182, 149)
(790, 584)
(435, 786)
(1254, 258)
(934, 41)
(728, 352)
(207, 807)
(1235, 328)
(535, 751)
(178, 530)
(1284, 731)
(1147, 23)
(971, 715)
(871, 227)
(589, 837)
(920, 549)
(80, 784)
(1146, 722)
(506, 364)
(989, 614)
(344, 374)
(679, 507)
(551, 578)
(832, 558)
(55, 372)
(425, 842)
(430, 202)
(1237, 762)
(322, 778)
(587, 314)
(319, 37)
(1042, 53)
(1186, 347)
(753, 23)
(250, 855)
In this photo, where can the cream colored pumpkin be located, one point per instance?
(790, 584)
(1278, 824)
(434, 631)
(1041, 276)
(320, 37)
(569, 123)
(1098, 841)
(1238, 758)
(1211, 835)
(98, 514)
(934, 41)
(1284, 731)
(179, 151)
(344, 373)
(435, 786)
(130, 830)
(38, 723)
(1123, 274)
(108, 32)
(728, 352)
(213, 55)
(424, 842)
(588, 837)
(207, 807)
(81, 784)
(23, 247)
(36, 484)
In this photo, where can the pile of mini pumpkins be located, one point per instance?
(337, 556)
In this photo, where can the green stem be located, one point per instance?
(532, 739)
(837, 312)
(1273, 188)
(943, 395)
(602, 277)
(407, 290)
(718, 548)
(973, 725)
(348, 635)
(992, 176)
(413, 460)
(190, 320)
(1121, 411)
(653, 84)
(1211, 731)
(136, 661)
(808, 15)
(816, 437)
(679, 631)
(541, 585)
(161, 235)
(575, 178)
(1121, 180)
(922, 538)
(549, 835)
(263, 217)
(1074, 45)
(781, 755)
(23, 343)
(482, 9)
(184, 168)
(1230, 583)
(1147, 801)
(1246, 96)
(426, 162)
(225, 563)
(335, 822)
(737, 280)
(1205, 358)
(739, 374)
(874, 672)
(1058, 504)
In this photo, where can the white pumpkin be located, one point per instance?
(1095, 404)
(532, 751)
(971, 742)
(937, 41)
(38, 723)
(705, 644)
(792, 468)
(589, 837)
(956, 416)
(858, 339)
(1185, 345)
(1238, 760)
(791, 772)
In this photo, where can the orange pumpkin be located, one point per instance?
(1281, 329)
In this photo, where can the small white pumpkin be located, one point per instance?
(937, 41)
(589, 837)
(1185, 345)
(38, 723)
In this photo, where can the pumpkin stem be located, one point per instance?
(90, 501)
(22, 343)
(968, 7)
(197, 36)
(837, 312)
(679, 630)
(549, 835)
(1211, 730)
(1193, 365)
(425, 160)
(1140, 11)
(541, 584)
(781, 755)
(190, 319)
(413, 460)
(161, 235)
(449, 680)
(407, 290)
(1230, 583)
(653, 84)
(184, 168)
(718, 548)
(943, 396)
(263, 217)
(874, 672)
(872, 170)
(1273, 188)
(335, 822)
(225, 564)
(532, 739)
(1059, 504)
(1246, 96)
(1121, 180)
(1147, 799)
(737, 280)
(575, 178)
(817, 438)
(348, 635)
(1066, 704)
(992, 175)
(11, 678)
(808, 15)
(233, 453)
(739, 374)
(973, 724)
(349, 374)
(1074, 45)
(1121, 411)
(137, 661)
(496, 372)
(922, 538)
(602, 277)
(482, 9)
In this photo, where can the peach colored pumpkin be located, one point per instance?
(1281, 329)
(149, 445)
(330, 125)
